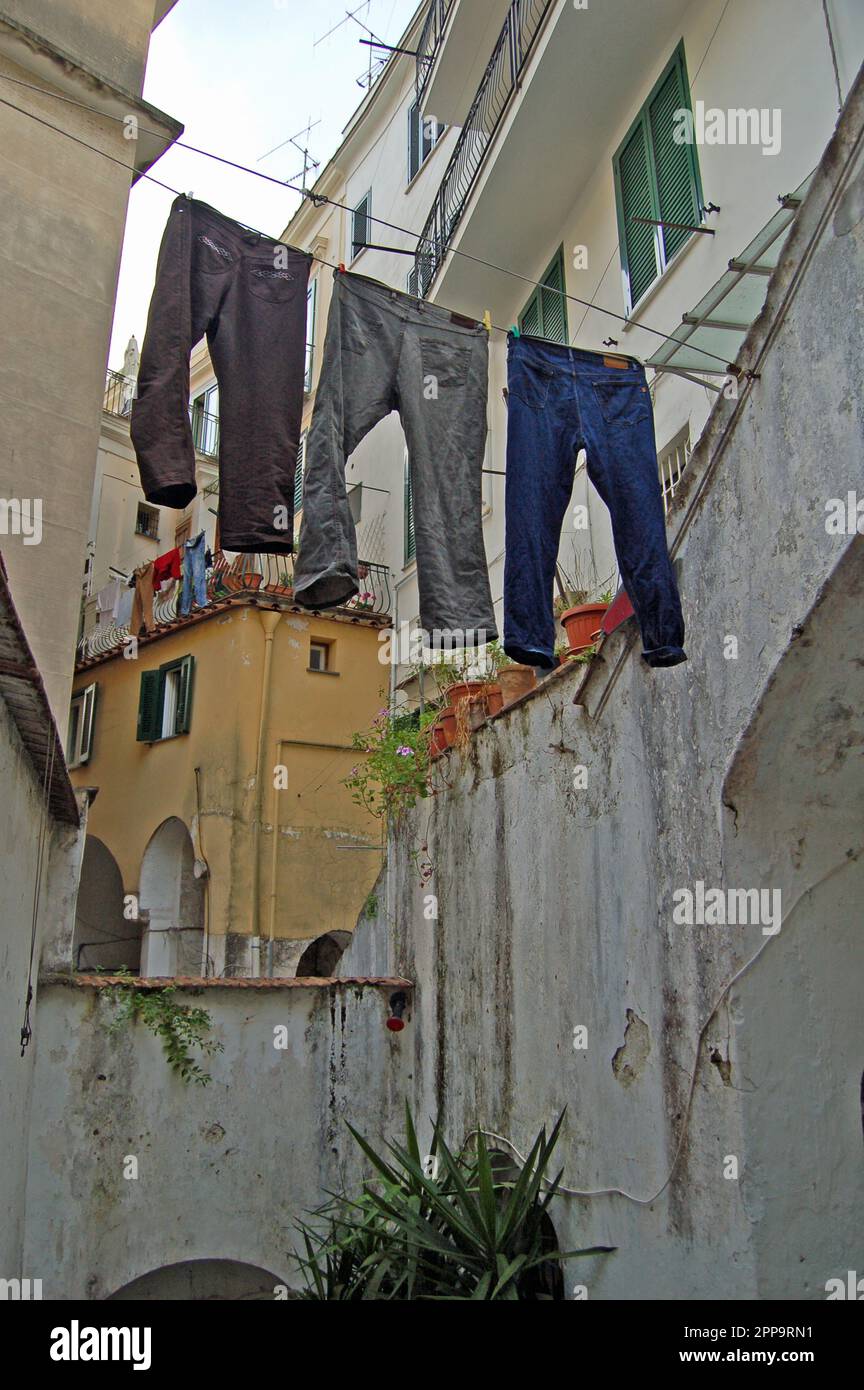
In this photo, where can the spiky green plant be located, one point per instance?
(452, 1227)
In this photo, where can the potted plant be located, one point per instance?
(580, 605)
(511, 678)
(443, 733)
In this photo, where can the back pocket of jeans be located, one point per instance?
(211, 256)
(444, 363)
(623, 403)
(530, 383)
(271, 281)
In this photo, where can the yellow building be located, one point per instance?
(221, 837)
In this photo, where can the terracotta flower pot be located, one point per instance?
(494, 698)
(515, 681)
(582, 624)
(443, 733)
(463, 690)
(251, 581)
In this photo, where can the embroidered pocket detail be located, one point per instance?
(214, 257)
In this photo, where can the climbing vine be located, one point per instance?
(177, 1027)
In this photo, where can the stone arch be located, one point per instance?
(172, 900)
(322, 955)
(793, 815)
(103, 937)
(202, 1281)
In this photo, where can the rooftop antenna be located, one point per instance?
(375, 64)
(308, 162)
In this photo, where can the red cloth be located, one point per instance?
(166, 567)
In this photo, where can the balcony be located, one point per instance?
(270, 578)
(118, 398)
(453, 51)
(499, 82)
(554, 92)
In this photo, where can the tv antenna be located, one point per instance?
(308, 162)
(365, 79)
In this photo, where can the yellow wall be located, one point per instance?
(319, 887)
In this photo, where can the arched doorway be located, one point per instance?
(172, 899)
(322, 955)
(201, 1281)
(103, 938)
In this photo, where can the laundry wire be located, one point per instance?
(320, 199)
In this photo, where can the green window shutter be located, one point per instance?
(409, 515)
(635, 198)
(150, 707)
(530, 321)
(658, 178)
(298, 473)
(678, 195)
(360, 225)
(553, 305)
(184, 695)
(545, 314)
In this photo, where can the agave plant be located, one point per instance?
(452, 1226)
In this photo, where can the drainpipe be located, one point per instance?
(269, 621)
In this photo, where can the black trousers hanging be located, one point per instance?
(248, 294)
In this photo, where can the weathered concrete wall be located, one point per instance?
(739, 770)
(22, 818)
(223, 1170)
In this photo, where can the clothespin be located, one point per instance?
(514, 329)
(342, 267)
(487, 320)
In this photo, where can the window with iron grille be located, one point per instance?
(657, 179)
(311, 310)
(298, 473)
(545, 314)
(410, 548)
(671, 463)
(147, 521)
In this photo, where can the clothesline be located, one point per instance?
(318, 200)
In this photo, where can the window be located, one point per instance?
(79, 740)
(658, 179)
(319, 657)
(147, 521)
(671, 463)
(311, 304)
(545, 314)
(205, 421)
(410, 547)
(183, 532)
(165, 701)
(361, 225)
(423, 136)
(298, 473)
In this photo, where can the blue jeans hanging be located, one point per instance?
(561, 400)
(194, 577)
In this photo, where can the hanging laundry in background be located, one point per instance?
(213, 270)
(166, 567)
(194, 575)
(123, 606)
(142, 604)
(562, 400)
(387, 350)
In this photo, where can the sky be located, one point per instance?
(243, 77)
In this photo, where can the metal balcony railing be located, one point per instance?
(500, 80)
(269, 576)
(120, 392)
(430, 38)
